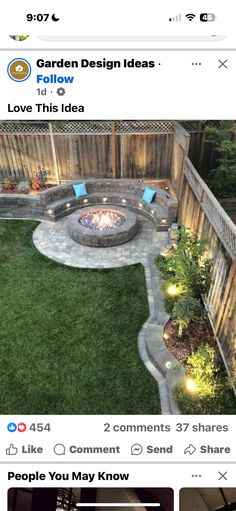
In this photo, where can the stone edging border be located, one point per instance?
(158, 360)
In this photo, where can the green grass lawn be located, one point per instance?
(68, 337)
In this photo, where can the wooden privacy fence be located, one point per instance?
(200, 211)
(76, 150)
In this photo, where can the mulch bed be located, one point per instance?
(198, 333)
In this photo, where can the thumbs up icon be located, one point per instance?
(12, 450)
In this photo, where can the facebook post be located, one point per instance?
(117, 256)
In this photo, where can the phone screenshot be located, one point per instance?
(117, 256)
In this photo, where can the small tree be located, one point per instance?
(186, 309)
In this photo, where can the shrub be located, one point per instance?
(39, 181)
(36, 184)
(170, 301)
(43, 176)
(186, 309)
(23, 186)
(187, 267)
(203, 369)
(162, 262)
(212, 394)
(9, 183)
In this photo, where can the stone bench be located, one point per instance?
(60, 200)
(21, 206)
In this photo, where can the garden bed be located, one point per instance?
(198, 333)
(26, 192)
(187, 274)
(29, 186)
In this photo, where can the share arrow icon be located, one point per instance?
(190, 449)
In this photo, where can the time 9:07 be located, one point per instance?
(37, 17)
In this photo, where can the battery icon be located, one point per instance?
(207, 16)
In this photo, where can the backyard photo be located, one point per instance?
(118, 267)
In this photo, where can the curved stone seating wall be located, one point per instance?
(21, 206)
(60, 200)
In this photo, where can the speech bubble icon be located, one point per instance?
(59, 449)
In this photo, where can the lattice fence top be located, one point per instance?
(87, 127)
(145, 126)
(84, 127)
(24, 127)
(102, 127)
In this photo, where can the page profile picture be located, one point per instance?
(19, 37)
(19, 70)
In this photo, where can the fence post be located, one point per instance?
(54, 155)
(113, 149)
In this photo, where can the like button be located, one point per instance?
(12, 450)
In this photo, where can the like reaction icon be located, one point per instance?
(12, 427)
(21, 427)
(11, 450)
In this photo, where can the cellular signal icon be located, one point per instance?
(176, 18)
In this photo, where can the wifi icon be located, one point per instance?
(190, 17)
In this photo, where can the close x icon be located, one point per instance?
(223, 64)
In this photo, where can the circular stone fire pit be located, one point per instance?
(103, 226)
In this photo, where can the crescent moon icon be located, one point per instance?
(54, 18)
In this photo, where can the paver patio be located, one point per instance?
(53, 240)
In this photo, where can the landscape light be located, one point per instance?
(163, 220)
(190, 384)
(172, 290)
(68, 205)
(124, 201)
(50, 211)
(104, 199)
(140, 205)
(85, 201)
(165, 336)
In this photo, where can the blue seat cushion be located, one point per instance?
(148, 195)
(80, 189)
